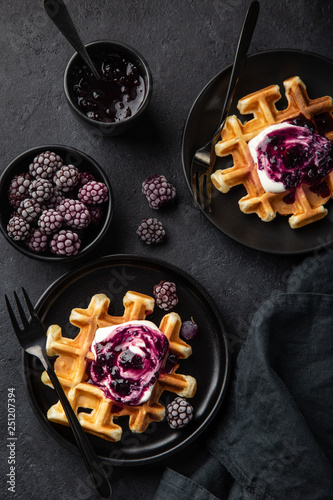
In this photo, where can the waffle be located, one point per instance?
(74, 354)
(306, 206)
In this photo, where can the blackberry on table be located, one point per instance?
(50, 221)
(29, 209)
(179, 413)
(151, 231)
(41, 189)
(45, 165)
(74, 213)
(18, 189)
(165, 294)
(93, 193)
(66, 178)
(158, 191)
(37, 241)
(18, 228)
(65, 243)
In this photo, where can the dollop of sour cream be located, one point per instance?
(288, 155)
(128, 359)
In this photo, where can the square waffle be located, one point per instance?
(74, 354)
(306, 206)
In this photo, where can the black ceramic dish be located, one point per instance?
(92, 236)
(97, 50)
(259, 71)
(209, 362)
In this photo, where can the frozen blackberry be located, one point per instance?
(18, 189)
(166, 295)
(158, 191)
(56, 198)
(41, 190)
(93, 193)
(65, 243)
(50, 221)
(96, 214)
(29, 209)
(66, 178)
(45, 165)
(18, 228)
(179, 413)
(85, 177)
(37, 241)
(151, 231)
(74, 213)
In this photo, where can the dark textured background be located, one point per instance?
(186, 42)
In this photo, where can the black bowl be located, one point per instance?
(91, 236)
(97, 50)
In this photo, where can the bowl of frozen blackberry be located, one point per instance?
(56, 203)
(116, 101)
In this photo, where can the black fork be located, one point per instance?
(32, 339)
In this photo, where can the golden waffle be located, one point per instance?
(307, 206)
(74, 354)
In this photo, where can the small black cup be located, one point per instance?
(95, 50)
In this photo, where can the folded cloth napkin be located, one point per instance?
(274, 435)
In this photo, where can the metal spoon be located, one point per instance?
(58, 13)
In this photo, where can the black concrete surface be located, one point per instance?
(186, 42)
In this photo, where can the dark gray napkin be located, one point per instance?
(274, 439)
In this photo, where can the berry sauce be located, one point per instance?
(294, 153)
(116, 96)
(128, 361)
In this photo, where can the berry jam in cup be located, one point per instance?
(112, 104)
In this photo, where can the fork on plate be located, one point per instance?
(205, 157)
(32, 339)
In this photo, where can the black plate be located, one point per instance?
(114, 276)
(259, 71)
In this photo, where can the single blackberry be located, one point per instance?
(93, 193)
(41, 190)
(50, 221)
(66, 178)
(29, 209)
(85, 177)
(45, 165)
(37, 241)
(179, 413)
(166, 295)
(151, 231)
(74, 213)
(18, 189)
(56, 198)
(18, 228)
(158, 191)
(65, 243)
(96, 214)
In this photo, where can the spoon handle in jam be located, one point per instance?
(58, 13)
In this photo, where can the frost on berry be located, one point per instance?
(151, 231)
(65, 243)
(93, 193)
(165, 294)
(66, 178)
(158, 191)
(18, 189)
(179, 413)
(18, 228)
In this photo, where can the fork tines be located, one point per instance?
(25, 321)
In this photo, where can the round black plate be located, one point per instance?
(259, 71)
(114, 276)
